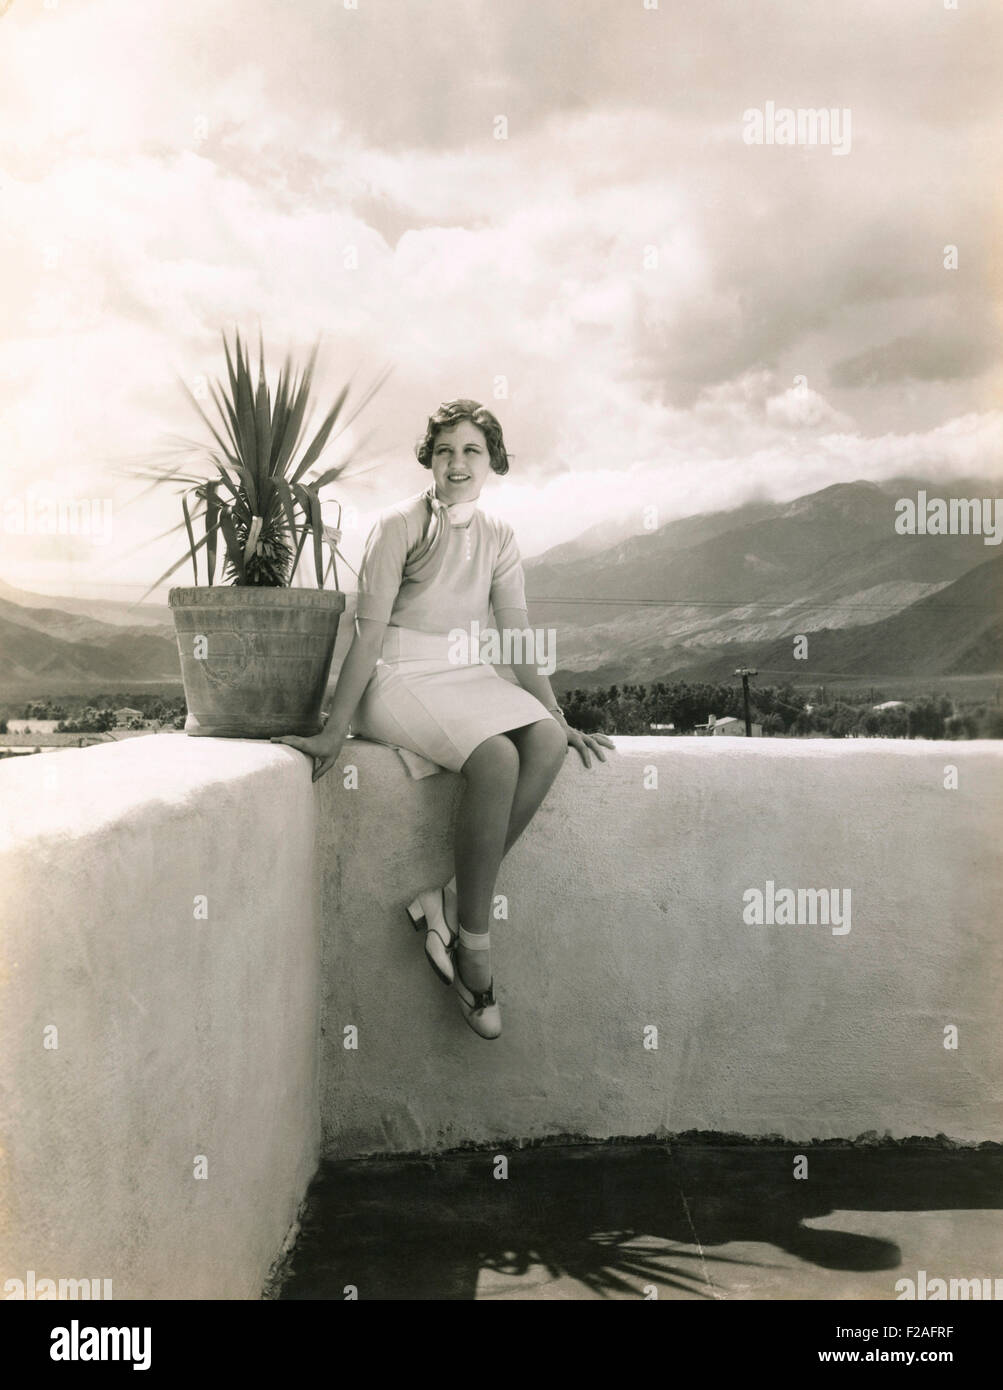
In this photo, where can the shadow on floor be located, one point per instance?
(610, 1220)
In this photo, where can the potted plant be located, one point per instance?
(255, 652)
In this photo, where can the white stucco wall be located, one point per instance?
(177, 1037)
(626, 910)
(181, 1037)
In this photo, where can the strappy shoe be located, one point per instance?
(428, 913)
(478, 1007)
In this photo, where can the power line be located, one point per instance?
(773, 605)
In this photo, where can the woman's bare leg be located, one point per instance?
(490, 776)
(542, 747)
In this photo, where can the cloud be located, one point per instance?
(629, 286)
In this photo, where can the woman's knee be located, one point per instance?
(545, 742)
(496, 758)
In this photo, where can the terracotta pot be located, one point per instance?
(255, 661)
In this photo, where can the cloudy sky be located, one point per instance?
(628, 283)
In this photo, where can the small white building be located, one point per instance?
(728, 725)
(125, 716)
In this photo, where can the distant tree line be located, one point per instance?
(75, 716)
(44, 709)
(781, 710)
(90, 721)
(632, 709)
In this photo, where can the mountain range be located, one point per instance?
(693, 599)
(69, 643)
(734, 589)
(52, 648)
(104, 610)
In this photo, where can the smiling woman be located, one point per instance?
(432, 565)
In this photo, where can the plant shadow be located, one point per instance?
(613, 1221)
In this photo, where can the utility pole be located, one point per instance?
(745, 672)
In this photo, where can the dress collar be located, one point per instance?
(455, 513)
(462, 513)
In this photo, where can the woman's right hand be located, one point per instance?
(323, 748)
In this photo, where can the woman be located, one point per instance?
(434, 566)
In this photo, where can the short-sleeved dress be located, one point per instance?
(428, 579)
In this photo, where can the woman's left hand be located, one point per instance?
(584, 744)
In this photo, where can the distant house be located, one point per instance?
(716, 728)
(890, 704)
(123, 716)
(662, 728)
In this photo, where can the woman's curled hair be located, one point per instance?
(452, 413)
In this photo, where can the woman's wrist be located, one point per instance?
(334, 732)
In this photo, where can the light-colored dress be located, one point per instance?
(428, 580)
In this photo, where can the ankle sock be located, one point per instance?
(475, 941)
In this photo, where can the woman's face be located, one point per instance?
(460, 462)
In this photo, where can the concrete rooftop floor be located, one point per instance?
(694, 1220)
